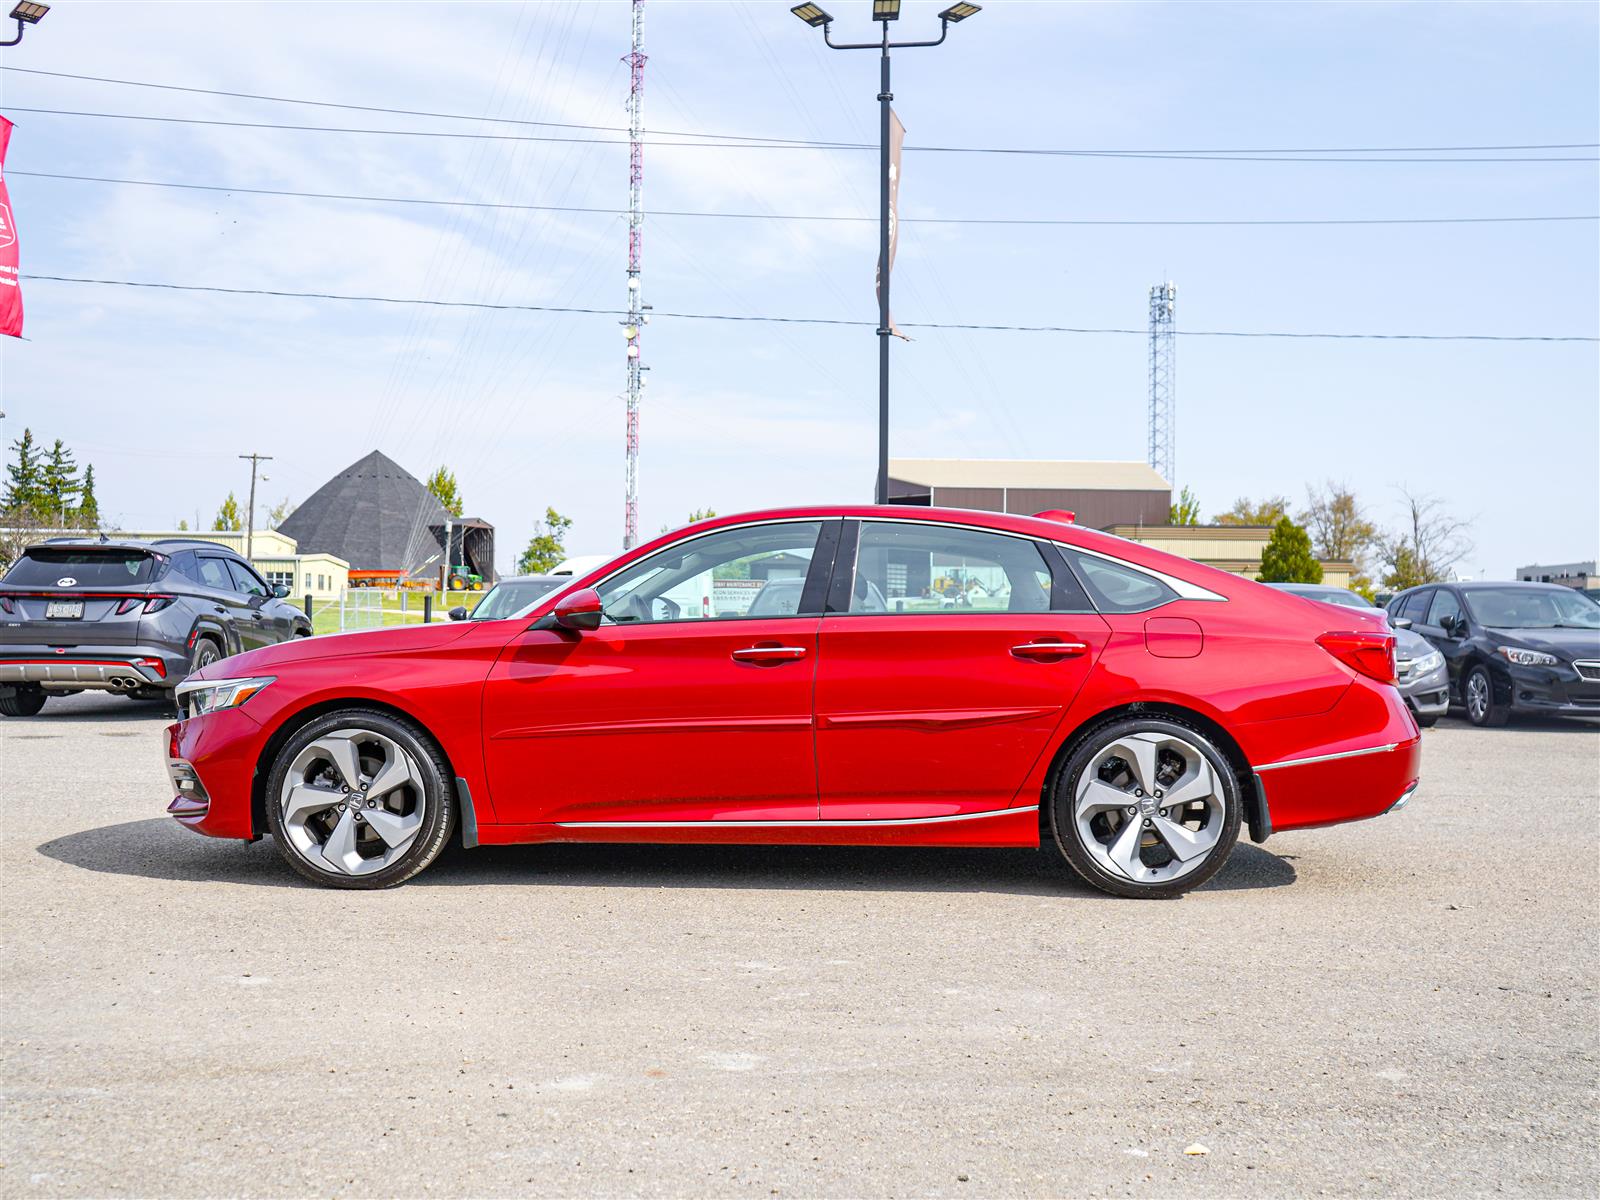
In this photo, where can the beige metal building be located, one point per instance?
(277, 557)
(1129, 499)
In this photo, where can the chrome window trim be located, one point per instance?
(1185, 589)
(801, 824)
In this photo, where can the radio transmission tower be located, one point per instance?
(634, 322)
(1163, 381)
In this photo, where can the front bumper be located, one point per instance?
(1558, 691)
(211, 761)
(1428, 695)
(104, 668)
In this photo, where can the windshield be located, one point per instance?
(510, 598)
(1533, 608)
(77, 567)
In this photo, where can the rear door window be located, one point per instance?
(81, 568)
(927, 569)
(1415, 606)
(214, 573)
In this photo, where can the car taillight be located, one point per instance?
(5, 605)
(156, 603)
(1372, 654)
(129, 604)
(156, 665)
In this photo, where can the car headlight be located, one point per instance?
(1426, 664)
(201, 696)
(1527, 658)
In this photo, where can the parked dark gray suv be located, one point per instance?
(129, 616)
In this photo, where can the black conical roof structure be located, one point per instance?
(374, 514)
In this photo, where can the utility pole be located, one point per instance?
(635, 319)
(250, 521)
(1163, 451)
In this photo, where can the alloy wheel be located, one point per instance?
(1477, 696)
(1149, 807)
(352, 802)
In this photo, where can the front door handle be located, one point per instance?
(769, 654)
(1046, 651)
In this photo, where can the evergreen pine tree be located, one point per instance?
(59, 483)
(23, 477)
(88, 505)
(1287, 557)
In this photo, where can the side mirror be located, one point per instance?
(458, 613)
(279, 592)
(1400, 622)
(1456, 627)
(580, 610)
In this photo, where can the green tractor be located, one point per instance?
(460, 579)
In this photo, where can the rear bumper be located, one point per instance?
(108, 668)
(1349, 780)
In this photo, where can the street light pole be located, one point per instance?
(883, 11)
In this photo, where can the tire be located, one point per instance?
(457, 584)
(1111, 772)
(333, 845)
(1428, 722)
(205, 652)
(22, 701)
(1477, 695)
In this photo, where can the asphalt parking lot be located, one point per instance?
(1402, 1006)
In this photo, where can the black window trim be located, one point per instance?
(845, 563)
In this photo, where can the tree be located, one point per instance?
(699, 514)
(1426, 548)
(88, 503)
(279, 512)
(183, 525)
(545, 549)
(1186, 511)
(1339, 528)
(1254, 512)
(1287, 557)
(58, 482)
(228, 518)
(442, 484)
(24, 478)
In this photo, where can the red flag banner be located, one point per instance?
(897, 139)
(10, 289)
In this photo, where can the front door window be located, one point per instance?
(751, 572)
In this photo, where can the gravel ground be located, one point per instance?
(1403, 1006)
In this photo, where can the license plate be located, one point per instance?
(64, 610)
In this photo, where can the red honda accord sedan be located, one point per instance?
(906, 676)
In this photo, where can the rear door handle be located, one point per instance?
(1049, 651)
(769, 654)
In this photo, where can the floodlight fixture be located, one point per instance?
(960, 12)
(885, 10)
(30, 12)
(811, 14)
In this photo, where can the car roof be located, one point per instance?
(1044, 528)
(96, 543)
(1479, 585)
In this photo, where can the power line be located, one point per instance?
(770, 144)
(738, 137)
(754, 216)
(744, 317)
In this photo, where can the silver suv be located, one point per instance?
(128, 616)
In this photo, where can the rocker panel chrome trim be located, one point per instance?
(972, 816)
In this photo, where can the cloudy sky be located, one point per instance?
(161, 390)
